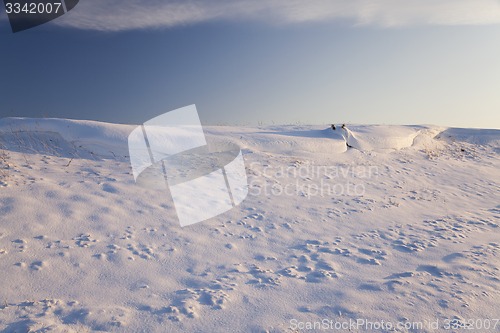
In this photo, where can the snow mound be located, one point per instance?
(490, 137)
(287, 139)
(380, 137)
(316, 139)
(64, 137)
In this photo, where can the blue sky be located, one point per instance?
(242, 62)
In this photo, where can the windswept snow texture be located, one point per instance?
(402, 226)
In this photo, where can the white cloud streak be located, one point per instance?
(119, 15)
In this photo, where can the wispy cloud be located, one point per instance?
(118, 15)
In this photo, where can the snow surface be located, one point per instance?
(402, 226)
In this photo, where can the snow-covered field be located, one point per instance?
(402, 228)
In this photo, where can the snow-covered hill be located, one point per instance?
(400, 227)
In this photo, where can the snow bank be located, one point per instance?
(110, 140)
(490, 137)
(379, 137)
(100, 138)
